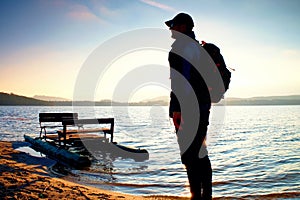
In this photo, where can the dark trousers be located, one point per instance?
(200, 178)
(198, 169)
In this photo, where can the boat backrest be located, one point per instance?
(57, 117)
(82, 122)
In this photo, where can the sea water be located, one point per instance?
(254, 150)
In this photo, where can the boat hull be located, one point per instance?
(59, 154)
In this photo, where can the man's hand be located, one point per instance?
(177, 120)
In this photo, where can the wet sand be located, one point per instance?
(26, 177)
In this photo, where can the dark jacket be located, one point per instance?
(185, 78)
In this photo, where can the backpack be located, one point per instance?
(218, 93)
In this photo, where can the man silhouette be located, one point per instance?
(190, 104)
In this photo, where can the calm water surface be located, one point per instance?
(254, 150)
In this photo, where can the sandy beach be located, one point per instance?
(23, 176)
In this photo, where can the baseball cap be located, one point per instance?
(181, 18)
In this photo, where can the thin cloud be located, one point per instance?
(81, 12)
(291, 53)
(159, 5)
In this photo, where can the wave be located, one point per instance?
(271, 196)
(136, 185)
(7, 118)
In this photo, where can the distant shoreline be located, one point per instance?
(16, 100)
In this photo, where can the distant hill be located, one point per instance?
(267, 100)
(49, 98)
(161, 100)
(14, 100)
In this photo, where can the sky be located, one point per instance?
(45, 43)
